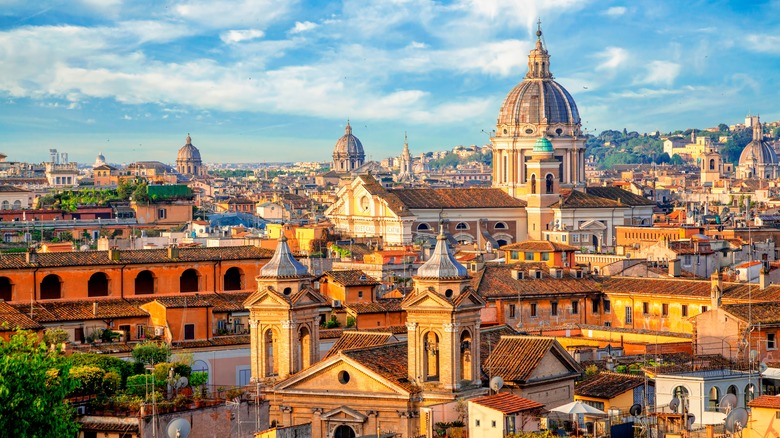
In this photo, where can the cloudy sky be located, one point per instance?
(276, 80)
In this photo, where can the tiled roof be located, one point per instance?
(576, 199)
(104, 348)
(228, 301)
(124, 425)
(380, 306)
(12, 189)
(215, 341)
(505, 360)
(675, 287)
(539, 245)
(496, 281)
(358, 339)
(507, 403)
(388, 360)
(350, 277)
(81, 310)
(766, 401)
(12, 319)
(617, 194)
(757, 313)
(184, 300)
(393, 202)
(134, 256)
(456, 198)
(607, 385)
(489, 338)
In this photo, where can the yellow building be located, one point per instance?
(608, 390)
(555, 255)
(300, 238)
(764, 414)
(497, 415)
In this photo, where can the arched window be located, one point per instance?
(17, 205)
(269, 350)
(533, 183)
(423, 227)
(6, 289)
(431, 346)
(6, 205)
(462, 226)
(200, 366)
(344, 431)
(712, 164)
(712, 402)
(466, 369)
(189, 281)
(233, 279)
(501, 242)
(549, 183)
(750, 390)
(500, 226)
(304, 349)
(51, 287)
(144, 283)
(97, 286)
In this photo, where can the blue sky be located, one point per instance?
(275, 80)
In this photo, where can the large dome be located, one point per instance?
(188, 152)
(759, 151)
(348, 145)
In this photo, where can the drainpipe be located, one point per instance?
(122, 282)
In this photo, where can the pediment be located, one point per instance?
(470, 299)
(266, 298)
(344, 414)
(325, 377)
(308, 296)
(427, 300)
(593, 225)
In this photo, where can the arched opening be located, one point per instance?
(97, 286)
(466, 369)
(144, 283)
(269, 351)
(750, 391)
(423, 227)
(501, 242)
(304, 349)
(714, 398)
(17, 205)
(712, 164)
(533, 183)
(549, 183)
(51, 287)
(500, 226)
(188, 282)
(431, 344)
(6, 289)
(681, 394)
(6, 205)
(462, 226)
(344, 431)
(233, 279)
(595, 242)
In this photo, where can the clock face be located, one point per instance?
(364, 202)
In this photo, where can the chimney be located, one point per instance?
(113, 254)
(763, 278)
(674, 268)
(716, 290)
(173, 252)
(95, 308)
(31, 256)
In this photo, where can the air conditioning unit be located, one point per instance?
(159, 331)
(337, 303)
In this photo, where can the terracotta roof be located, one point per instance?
(12, 319)
(350, 277)
(576, 199)
(380, 306)
(215, 341)
(496, 281)
(134, 256)
(507, 403)
(358, 339)
(182, 301)
(504, 360)
(757, 313)
(766, 401)
(618, 194)
(489, 338)
(228, 301)
(104, 348)
(700, 289)
(456, 198)
(539, 245)
(607, 385)
(388, 360)
(81, 310)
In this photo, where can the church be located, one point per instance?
(539, 188)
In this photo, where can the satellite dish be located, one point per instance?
(736, 420)
(178, 428)
(728, 402)
(691, 419)
(635, 409)
(674, 404)
(182, 382)
(753, 354)
(496, 383)
(762, 367)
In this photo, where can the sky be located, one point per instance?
(277, 80)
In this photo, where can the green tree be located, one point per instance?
(33, 385)
(151, 352)
(676, 160)
(723, 127)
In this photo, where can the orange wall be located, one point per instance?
(373, 320)
(176, 213)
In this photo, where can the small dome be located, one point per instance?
(348, 145)
(283, 264)
(188, 152)
(759, 151)
(543, 145)
(442, 264)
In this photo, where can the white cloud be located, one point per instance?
(303, 26)
(237, 36)
(417, 45)
(616, 11)
(613, 57)
(661, 72)
(763, 43)
(523, 12)
(222, 14)
(127, 117)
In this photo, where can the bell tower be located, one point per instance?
(442, 319)
(283, 317)
(543, 188)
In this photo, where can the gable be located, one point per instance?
(427, 300)
(549, 367)
(266, 299)
(329, 376)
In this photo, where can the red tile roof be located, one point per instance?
(539, 245)
(766, 401)
(618, 194)
(504, 360)
(697, 289)
(12, 319)
(456, 198)
(356, 339)
(81, 310)
(380, 306)
(388, 360)
(507, 403)
(496, 281)
(608, 385)
(350, 277)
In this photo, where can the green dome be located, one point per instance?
(543, 145)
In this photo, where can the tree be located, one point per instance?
(676, 160)
(151, 352)
(723, 127)
(33, 385)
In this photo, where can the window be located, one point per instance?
(423, 227)
(189, 331)
(140, 332)
(6, 289)
(687, 260)
(477, 423)
(704, 309)
(461, 226)
(545, 256)
(645, 308)
(493, 423)
(575, 307)
(515, 255)
(684, 310)
(511, 310)
(360, 294)
(629, 315)
(770, 341)
(500, 226)
(533, 309)
(554, 308)
(607, 306)
(575, 238)
(664, 309)
(595, 306)
(529, 256)
(162, 213)
(563, 238)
